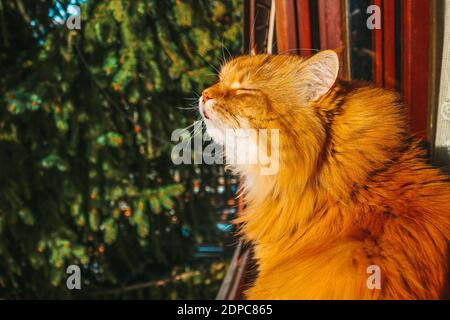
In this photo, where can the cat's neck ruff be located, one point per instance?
(320, 170)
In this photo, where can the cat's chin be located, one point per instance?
(217, 135)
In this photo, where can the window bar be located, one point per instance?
(330, 29)
(249, 25)
(304, 28)
(415, 23)
(377, 40)
(286, 27)
(388, 28)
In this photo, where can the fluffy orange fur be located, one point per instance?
(352, 190)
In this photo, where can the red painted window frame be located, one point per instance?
(304, 36)
(286, 22)
(294, 31)
(415, 55)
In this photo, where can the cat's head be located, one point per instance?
(273, 93)
(260, 91)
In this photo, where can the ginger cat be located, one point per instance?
(353, 190)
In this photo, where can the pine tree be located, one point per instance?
(85, 123)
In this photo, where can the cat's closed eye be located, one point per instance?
(246, 90)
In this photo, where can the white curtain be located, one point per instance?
(442, 143)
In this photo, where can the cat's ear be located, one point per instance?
(318, 74)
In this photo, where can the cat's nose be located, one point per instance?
(206, 95)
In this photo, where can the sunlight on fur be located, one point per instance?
(353, 189)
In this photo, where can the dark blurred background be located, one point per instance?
(86, 176)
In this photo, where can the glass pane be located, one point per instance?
(360, 40)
